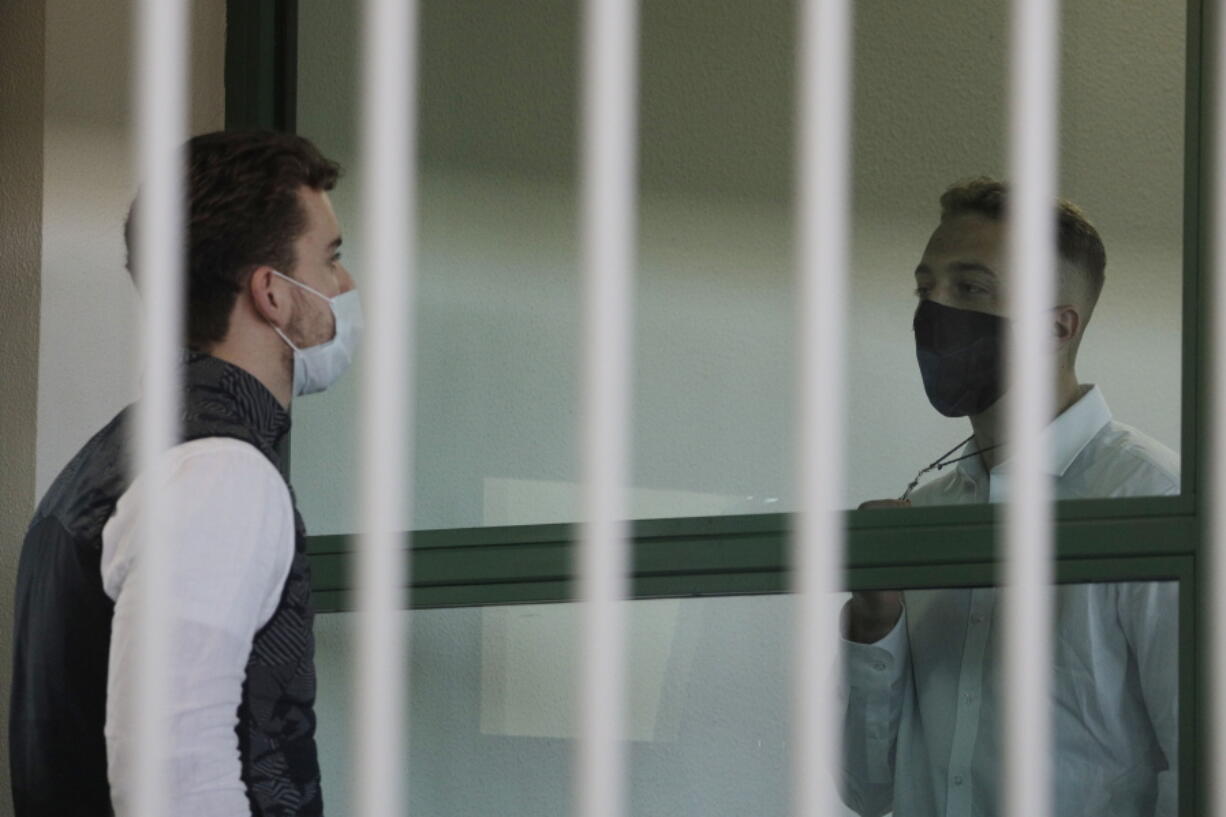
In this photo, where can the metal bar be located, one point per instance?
(286, 67)
(160, 89)
(389, 220)
(824, 161)
(261, 71)
(1030, 405)
(609, 127)
(1213, 506)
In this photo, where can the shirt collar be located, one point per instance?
(1065, 437)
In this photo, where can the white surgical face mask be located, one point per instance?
(318, 367)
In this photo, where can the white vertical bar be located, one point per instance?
(823, 204)
(161, 89)
(1030, 406)
(389, 221)
(1215, 491)
(609, 130)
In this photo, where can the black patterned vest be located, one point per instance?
(62, 626)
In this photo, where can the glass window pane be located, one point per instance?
(493, 718)
(497, 345)
(931, 112)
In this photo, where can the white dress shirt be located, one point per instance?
(232, 535)
(923, 709)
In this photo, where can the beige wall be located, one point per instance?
(66, 306)
(21, 173)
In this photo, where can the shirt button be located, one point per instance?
(969, 697)
(879, 666)
(977, 620)
(957, 780)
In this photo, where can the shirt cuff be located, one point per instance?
(881, 664)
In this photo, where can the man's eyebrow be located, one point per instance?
(973, 266)
(336, 244)
(923, 269)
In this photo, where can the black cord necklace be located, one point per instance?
(943, 461)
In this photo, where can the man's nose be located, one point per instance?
(344, 279)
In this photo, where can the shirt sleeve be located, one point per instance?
(873, 690)
(231, 531)
(1149, 614)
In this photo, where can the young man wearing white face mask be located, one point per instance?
(923, 707)
(272, 313)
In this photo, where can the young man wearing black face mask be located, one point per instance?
(922, 699)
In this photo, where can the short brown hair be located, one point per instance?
(243, 211)
(1077, 240)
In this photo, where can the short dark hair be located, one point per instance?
(243, 211)
(1077, 240)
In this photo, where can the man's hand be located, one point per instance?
(873, 613)
(874, 504)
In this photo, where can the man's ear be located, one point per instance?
(269, 298)
(1066, 325)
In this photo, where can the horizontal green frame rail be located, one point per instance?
(731, 554)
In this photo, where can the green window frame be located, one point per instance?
(1143, 539)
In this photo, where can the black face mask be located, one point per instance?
(959, 353)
